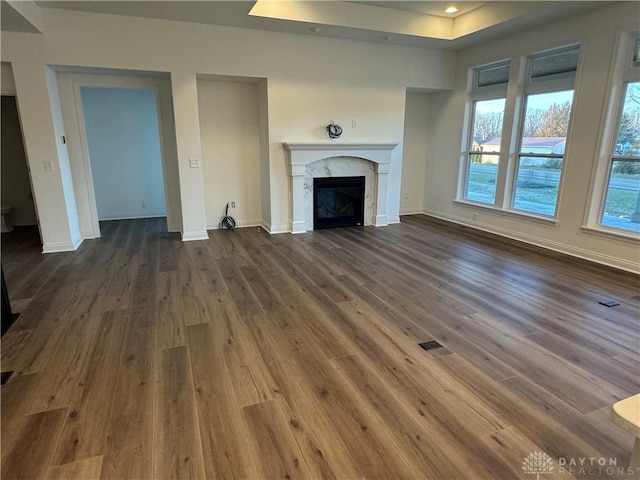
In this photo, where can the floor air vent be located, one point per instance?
(609, 303)
(430, 345)
(4, 377)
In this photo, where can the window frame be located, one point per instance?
(612, 157)
(469, 152)
(478, 94)
(537, 87)
(622, 72)
(553, 86)
(515, 93)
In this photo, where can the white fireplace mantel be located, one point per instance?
(302, 154)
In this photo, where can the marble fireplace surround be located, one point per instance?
(301, 155)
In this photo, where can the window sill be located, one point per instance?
(611, 233)
(512, 213)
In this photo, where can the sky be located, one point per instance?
(542, 101)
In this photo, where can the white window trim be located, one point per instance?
(529, 88)
(559, 87)
(477, 95)
(518, 88)
(621, 71)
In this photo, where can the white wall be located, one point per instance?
(310, 81)
(230, 137)
(124, 147)
(63, 164)
(7, 84)
(265, 171)
(446, 118)
(16, 187)
(414, 159)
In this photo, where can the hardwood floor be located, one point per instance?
(256, 356)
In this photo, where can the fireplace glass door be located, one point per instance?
(338, 202)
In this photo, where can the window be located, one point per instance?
(483, 148)
(542, 145)
(617, 207)
(484, 151)
(518, 123)
(622, 199)
(543, 131)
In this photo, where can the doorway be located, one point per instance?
(16, 182)
(21, 239)
(123, 140)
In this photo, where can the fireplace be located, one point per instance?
(338, 202)
(316, 160)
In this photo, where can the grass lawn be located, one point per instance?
(620, 202)
(538, 193)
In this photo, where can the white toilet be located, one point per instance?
(5, 210)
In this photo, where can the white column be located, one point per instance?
(187, 124)
(380, 218)
(298, 220)
(47, 158)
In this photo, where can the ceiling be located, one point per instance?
(413, 23)
(427, 8)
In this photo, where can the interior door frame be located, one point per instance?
(118, 81)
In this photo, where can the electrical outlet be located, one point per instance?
(474, 217)
(239, 223)
(233, 204)
(406, 196)
(145, 205)
(355, 123)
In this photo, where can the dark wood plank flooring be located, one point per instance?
(258, 356)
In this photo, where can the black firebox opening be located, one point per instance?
(338, 202)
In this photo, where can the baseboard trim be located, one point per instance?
(272, 230)
(191, 236)
(392, 220)
(131, 215)
(563, 248)
(57, 247)
(245, 223)
(411, 211)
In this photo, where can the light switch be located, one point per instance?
(48, 166)
(194, 162)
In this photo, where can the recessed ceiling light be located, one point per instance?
(451, 10)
